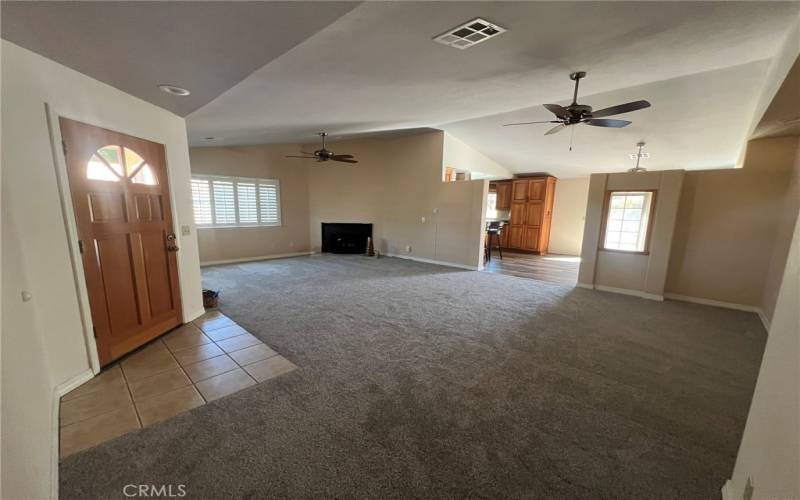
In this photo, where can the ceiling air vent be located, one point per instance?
(470, 33)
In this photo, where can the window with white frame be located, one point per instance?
(235, 201)
(627, 221)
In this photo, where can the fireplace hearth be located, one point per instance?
(338, 237)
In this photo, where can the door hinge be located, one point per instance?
(80, 246)
(64, 147)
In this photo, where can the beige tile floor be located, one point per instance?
(198, 362)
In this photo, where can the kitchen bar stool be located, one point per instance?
(493, 231)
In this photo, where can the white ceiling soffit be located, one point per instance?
(377, 68)
(205, 47)
(782, 117)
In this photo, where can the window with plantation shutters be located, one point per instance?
(235, 201)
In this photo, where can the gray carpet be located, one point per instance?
(424, 381)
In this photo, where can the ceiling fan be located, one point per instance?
(323, 154)
(575, 113)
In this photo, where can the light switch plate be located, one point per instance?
(186, 230)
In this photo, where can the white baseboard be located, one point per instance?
(628, 291)
(431, 261)
(193, 315)
(727, 490)
(764, 320)
(253, 259)
(75, 382)
(723, 304)
(58, 392)
(587, 286)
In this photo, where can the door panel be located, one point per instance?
(120, 193)
(518, 213)
(116, 261)
(515, 236)
(533, 213)
(536, 190)
(157, 270)
(519, 191)
(503, 195)
(530, 240)
(107, 207)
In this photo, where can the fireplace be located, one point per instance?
(345, 237)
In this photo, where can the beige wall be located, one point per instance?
(634, 273)
(769, 455)
(268, 162)
(787, 217)
(396, 184)
(727, 245)
(341, 192)
(43, 346)
(460, 155)
(569, 213)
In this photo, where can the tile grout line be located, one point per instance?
(180, 367)
(240, 366)
(130, 395)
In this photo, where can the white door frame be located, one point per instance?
(70, 221)
(71, 230)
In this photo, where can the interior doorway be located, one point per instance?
(121, 200)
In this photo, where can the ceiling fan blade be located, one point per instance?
(605, 122)
(342, 156)
(343, 160)
(529, 123)
(557, 128)
(622, 108)
(307, 153)
(559, 111)
(305, 157)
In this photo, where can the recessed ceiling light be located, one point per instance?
(174, 90)
(470, 33)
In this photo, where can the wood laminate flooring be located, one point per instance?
(553, 268)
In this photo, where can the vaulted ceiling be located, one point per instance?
(276, 72)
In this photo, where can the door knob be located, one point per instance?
(171, 246)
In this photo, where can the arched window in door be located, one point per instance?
(113, 163)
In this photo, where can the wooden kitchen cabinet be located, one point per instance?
(518, 213)
(503, 195)
(531, 213)
(515, 236)
(537, 189)
(530, 238)
(519, 190)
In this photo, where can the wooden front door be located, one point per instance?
(120, 194)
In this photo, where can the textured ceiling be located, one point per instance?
(696, 121)
(376, 68)
(279, 72)
(205, 47)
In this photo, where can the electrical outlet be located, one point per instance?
(291, 244)
(408, 248)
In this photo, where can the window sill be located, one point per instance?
(629, 252)
(240, 226)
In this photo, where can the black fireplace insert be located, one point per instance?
(345, 237)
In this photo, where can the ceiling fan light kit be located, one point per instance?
(576, 114)
(324, 154)
(638, 156)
